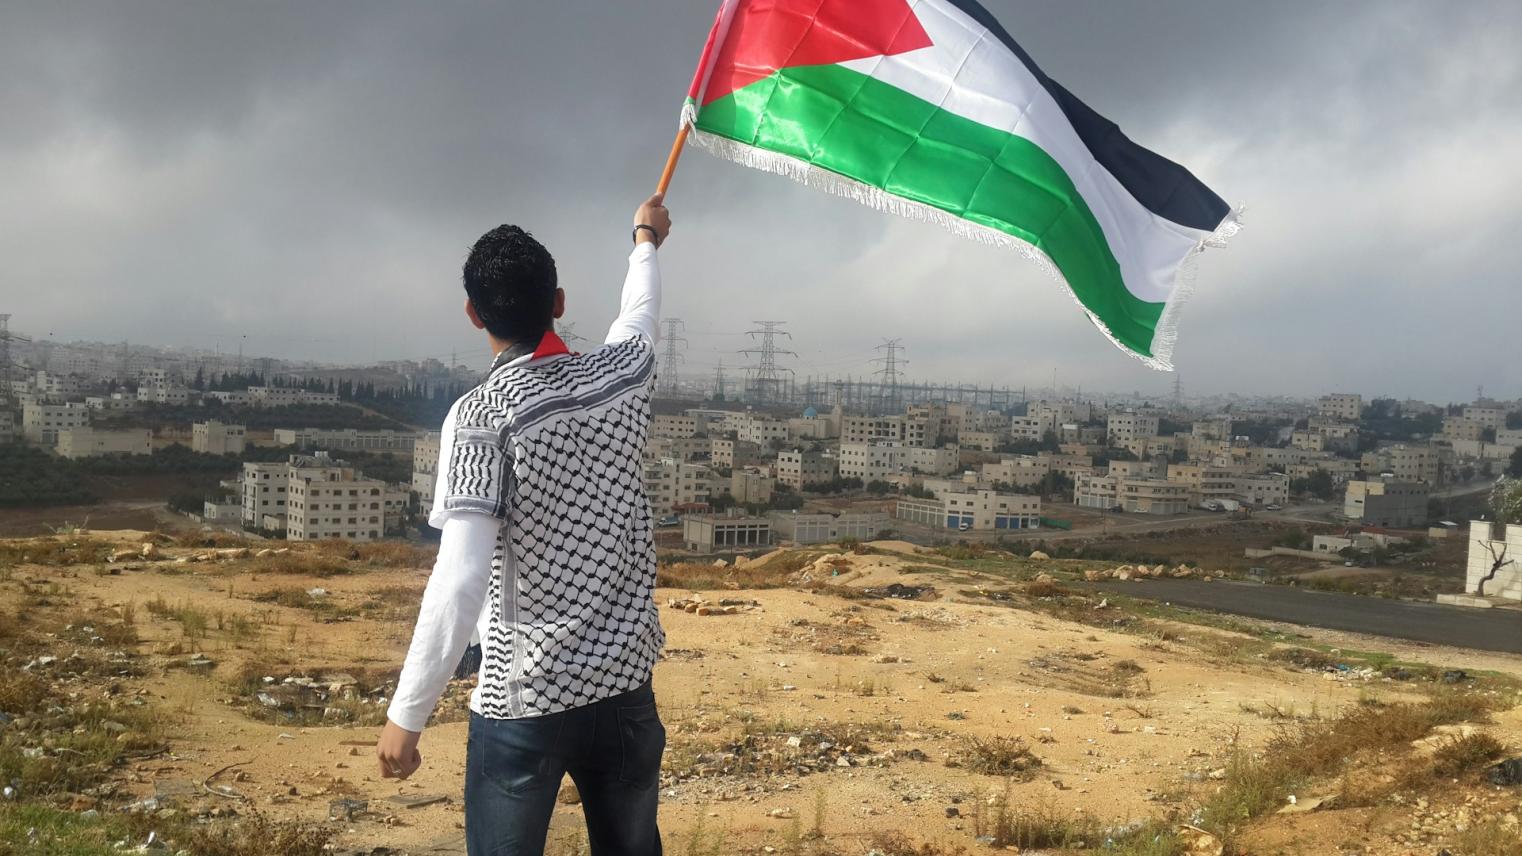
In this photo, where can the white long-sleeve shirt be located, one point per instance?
(540, 654)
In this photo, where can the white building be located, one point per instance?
(1123, 428)
(325, 499)
(1020, 471)
(162, 393)
(230, 511)
(856, 430)
(40, 423)
(672, 484)
(673, 425)
(798, 469)
(425, 467)
(1133, 495)
(264, 493)
(973, 510)
(870, 461)
(217, 438)
(1495, 560)
(76, 443)
(707, 533)
(1342, 405)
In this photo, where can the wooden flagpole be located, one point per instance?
(671, 159)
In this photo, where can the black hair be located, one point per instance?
(510, 279)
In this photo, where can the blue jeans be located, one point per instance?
(611, 748)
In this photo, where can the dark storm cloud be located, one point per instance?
(309, 175)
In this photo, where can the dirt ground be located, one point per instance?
(1127, 726)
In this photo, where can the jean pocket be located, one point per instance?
(643, 742)
(517, 755)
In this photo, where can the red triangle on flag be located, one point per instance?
(766, 36)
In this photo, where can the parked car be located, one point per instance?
(1272, 507)
(669, 520)
(964, 527)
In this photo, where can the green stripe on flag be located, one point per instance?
(866, 130)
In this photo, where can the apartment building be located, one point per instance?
(983, 441)
(1463, 428)
(1127, 426)
(728, 454)
(1403, 463)
(1263, 489)
(761, 431)
(1021, 471)
(1490, 417)
(162, 393)
(801, 528)
(751, 486)
(281, 396)
(1341, 405)
(114, 401)
(1026, 428)
(669, 425)
(264, 492)
(347, 439)
(425, 467)
(1134, 495)
(7, 427)
(326, 499)
(40, 423)
(871, 429)
(217, 438)
(928, 461)
(681, 448)
(1340, 469)
(799, 469)
(87, 442)
(1386, 503)
(870, 461)
(672, 485)
(1153, 447)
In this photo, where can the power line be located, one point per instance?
(672, 357)
(764, 382)
(888, 398)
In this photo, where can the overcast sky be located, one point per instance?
(310, 175)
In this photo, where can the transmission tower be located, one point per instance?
(672, 357)
(7, 396)
(764, 382)
(1178, 387)
(888, 399)
(718, 382)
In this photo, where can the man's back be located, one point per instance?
(553, 447)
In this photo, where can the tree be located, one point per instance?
(1318, 484)
(1506, 509)
(1514, 469)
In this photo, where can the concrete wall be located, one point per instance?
(1486, 542)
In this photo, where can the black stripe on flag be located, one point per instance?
(1160, 185)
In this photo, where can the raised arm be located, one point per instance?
(639, 312)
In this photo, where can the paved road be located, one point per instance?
(1483, 629)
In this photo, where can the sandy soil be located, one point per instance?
(1126, 726)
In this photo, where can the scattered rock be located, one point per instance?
(569, 795)
(1508, 772)
(1039, 556)
(347, 810)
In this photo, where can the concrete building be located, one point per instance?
(855, 430)
(1463, 428)
(1495, 557)
(229, 511)
(1135, 495)
(1122, 428)
(217, 438)
(799, 469)
(801, 528)
(7, 427)
(40, 423)
(708, 533)
(669, 425)
(264, 493)
(347, 439)
(983, 441)
(112, 402)
(1386, 503)
(672, 485)
(76, 443)
(327, 499)
(1491, 417)
(870, 461)
(680, 448)
(973, 510)
(751, 487)
(1340, 469)
(1403, 463)
(928, 461)
(231, 398)
(1263, 489)
(1026, 428)
(762, 431)
(1341, 405)
(808, 428)
(162, 393)
(728, 454)
(1020, 471)
(280, 396)
(425, 467)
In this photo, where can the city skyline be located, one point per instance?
(318, 198)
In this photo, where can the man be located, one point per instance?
(547, 554)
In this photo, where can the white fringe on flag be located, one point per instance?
(808, 174)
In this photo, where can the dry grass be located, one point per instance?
(301, 564)
(258, 835)
(382, 554)
(696, 576)
(1008, 757)
(61, 550)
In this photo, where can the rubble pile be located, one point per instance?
(1128, 573)
(700, 606)
(336, 698)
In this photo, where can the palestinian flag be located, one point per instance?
(929, 109)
